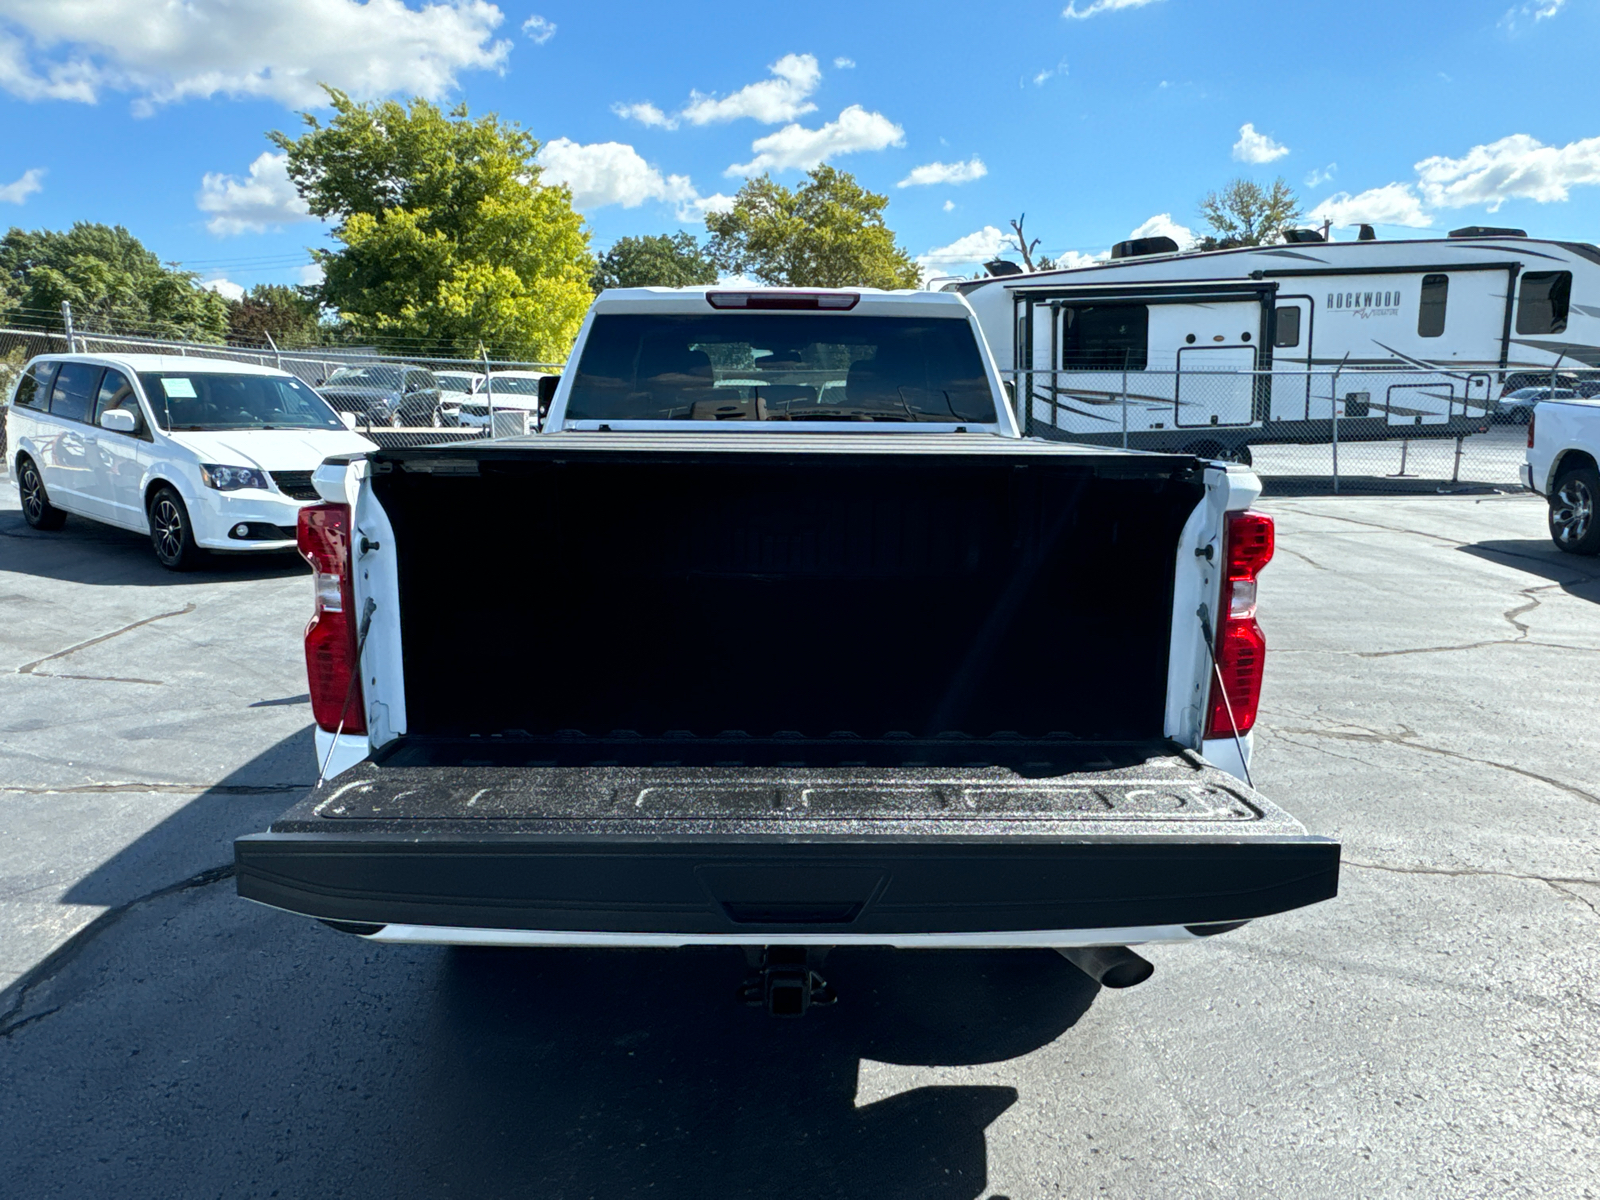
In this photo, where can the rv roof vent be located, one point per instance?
(1367, 234)
(1487, 231)
(1302, 235)
(1000, 266)
(1136, 247)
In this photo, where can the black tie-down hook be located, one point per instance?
(785, 981)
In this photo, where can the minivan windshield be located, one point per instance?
(780, 367)
(196, 400)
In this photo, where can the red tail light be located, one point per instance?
(1532, 417)
(332, 669)
(1241, 648)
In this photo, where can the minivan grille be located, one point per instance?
(296, 485)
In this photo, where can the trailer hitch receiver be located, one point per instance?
(785, 981)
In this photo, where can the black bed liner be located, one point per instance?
(1159, 839)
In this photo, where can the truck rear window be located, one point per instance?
(780, 367)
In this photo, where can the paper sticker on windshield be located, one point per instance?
(178, 389)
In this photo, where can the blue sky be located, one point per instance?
(1098, 120)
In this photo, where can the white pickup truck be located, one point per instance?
(1563, 449)
(782, 637)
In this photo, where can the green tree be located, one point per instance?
(1246, 214)
(665, 260)
(828, 232)
(113, 283)
(449, 237)
(284, 313)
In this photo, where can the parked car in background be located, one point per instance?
(201, 454)
(1517, 406)
(506, 391)
(384, 394)
(454, 388)
(1563, 465)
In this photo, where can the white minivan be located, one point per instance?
(202, 454)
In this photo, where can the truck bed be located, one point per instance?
(1083, 837)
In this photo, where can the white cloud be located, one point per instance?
(605, 173)
(1100, 6)
(275, 49)
(1049, 73)
(19, 190)
(1071, 260)
(938, 172)
(694, 211)
(949, 206)
(310, 275)
(794, 146)
(1162, 225)
(1321, 175)
(781, 98)
(1537, 10)
(225, 288)
(645, 114)
(1392, 204)
(253, 205)
(539, 30)
(844, 64)
(974, 248)
(1253, 147)
(1515, 167)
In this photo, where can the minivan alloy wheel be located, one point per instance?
(167, 523)
(32, 488)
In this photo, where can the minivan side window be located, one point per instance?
(34, 389)
(73, 395)
(1542, 302)
(1430, 308)
(117, 392)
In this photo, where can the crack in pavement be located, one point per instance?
(63, 955)
(31, 668)
(1554, 882)
(1305, 558)
(1510, 615)
(1373, 737)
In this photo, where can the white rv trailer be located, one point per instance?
(1409, 338)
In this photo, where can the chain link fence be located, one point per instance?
(1339, 430)
(462, 398)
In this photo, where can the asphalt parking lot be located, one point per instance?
(1433, 1032)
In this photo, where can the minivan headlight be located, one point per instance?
(231, 479)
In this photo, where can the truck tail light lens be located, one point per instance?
(1532, 417)
(1241, 648)
(332, 667)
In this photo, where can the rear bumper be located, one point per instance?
(616, 856)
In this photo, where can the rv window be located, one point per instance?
(1430, 309)
(1288, 326)
(1542, 302)
(1105, 337)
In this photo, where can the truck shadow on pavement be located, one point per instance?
(1578, 575)
(620, 1072)
(87, 552)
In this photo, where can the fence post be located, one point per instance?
(66, 319)
(488, 390)
(1333, 401)
(1125, 399)
(1455, 475)
(277, 355)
